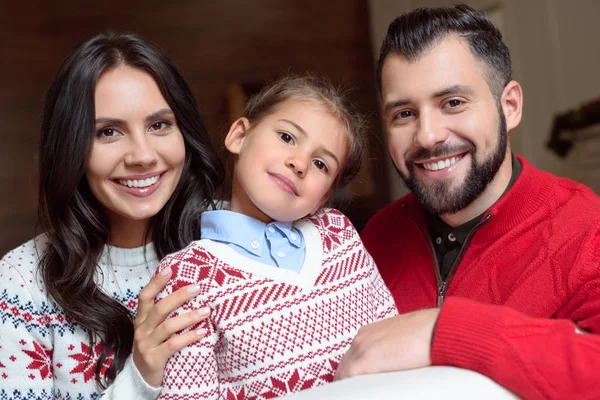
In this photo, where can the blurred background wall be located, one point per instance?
(215, 44)
(220, 43)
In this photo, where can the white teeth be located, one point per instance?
(139, 183)
(436, 166)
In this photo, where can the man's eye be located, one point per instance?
(454, 103)
(404, 114)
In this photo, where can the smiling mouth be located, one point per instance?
(138, 183)
(442, 163)
(284, 183)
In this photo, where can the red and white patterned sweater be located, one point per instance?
(273, 331)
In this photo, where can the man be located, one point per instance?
(500, 260)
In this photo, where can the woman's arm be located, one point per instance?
(26, 346)
(156, 339)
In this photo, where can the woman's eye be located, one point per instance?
(107, 134)
(286, 137)
(157, 126)
(321, 165)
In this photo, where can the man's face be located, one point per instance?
(446, 132)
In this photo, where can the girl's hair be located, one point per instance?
(73, 219)
(322, 91)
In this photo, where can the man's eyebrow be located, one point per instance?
(453, 89)
(395, 103)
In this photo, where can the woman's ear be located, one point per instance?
(237, 133)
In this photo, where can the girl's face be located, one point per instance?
(138, 151)
(286, 162)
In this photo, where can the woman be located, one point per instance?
(126, 168)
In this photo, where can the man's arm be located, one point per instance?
(537, 358)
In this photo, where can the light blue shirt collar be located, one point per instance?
(246, 232)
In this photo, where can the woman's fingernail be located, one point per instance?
(201, 332)
(203, 312)
(193, 289)
(165, 271)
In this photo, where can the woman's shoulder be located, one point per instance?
(28, 253)
(19, 268)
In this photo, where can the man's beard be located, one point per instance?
(440, 197)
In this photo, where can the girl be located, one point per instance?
(126, 168)
(289, 283)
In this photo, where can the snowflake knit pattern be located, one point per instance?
(43, 353)
(273, 331)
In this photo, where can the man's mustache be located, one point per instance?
(441, 150)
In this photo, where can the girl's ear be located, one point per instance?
(237, 133)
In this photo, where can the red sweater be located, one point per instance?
(529, 276)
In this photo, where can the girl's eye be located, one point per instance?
(321, 165)
(286, 137)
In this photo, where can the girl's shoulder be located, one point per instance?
(332, 226)
(330, 217)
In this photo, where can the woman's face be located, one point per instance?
(138, 151)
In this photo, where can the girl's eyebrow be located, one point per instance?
(303, 132)
(298, 127)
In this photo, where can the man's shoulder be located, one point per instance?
(569, 194)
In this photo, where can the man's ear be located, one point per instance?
(237, 133)
(512, 104)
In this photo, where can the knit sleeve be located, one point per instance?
(192, 372)
(26, 367)
(382, 298)
(130, 384)
(386, 306)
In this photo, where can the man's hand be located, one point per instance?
(394, 344)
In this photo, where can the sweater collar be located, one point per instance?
(526, 196)
(119, 257)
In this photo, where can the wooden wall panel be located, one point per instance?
(215, 43)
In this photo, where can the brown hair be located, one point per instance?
(321, 90)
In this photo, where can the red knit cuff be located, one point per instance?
(466, 336)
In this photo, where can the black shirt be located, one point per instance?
(448, 240)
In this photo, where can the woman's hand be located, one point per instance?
(153, 344)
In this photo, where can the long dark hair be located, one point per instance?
(72, 218)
